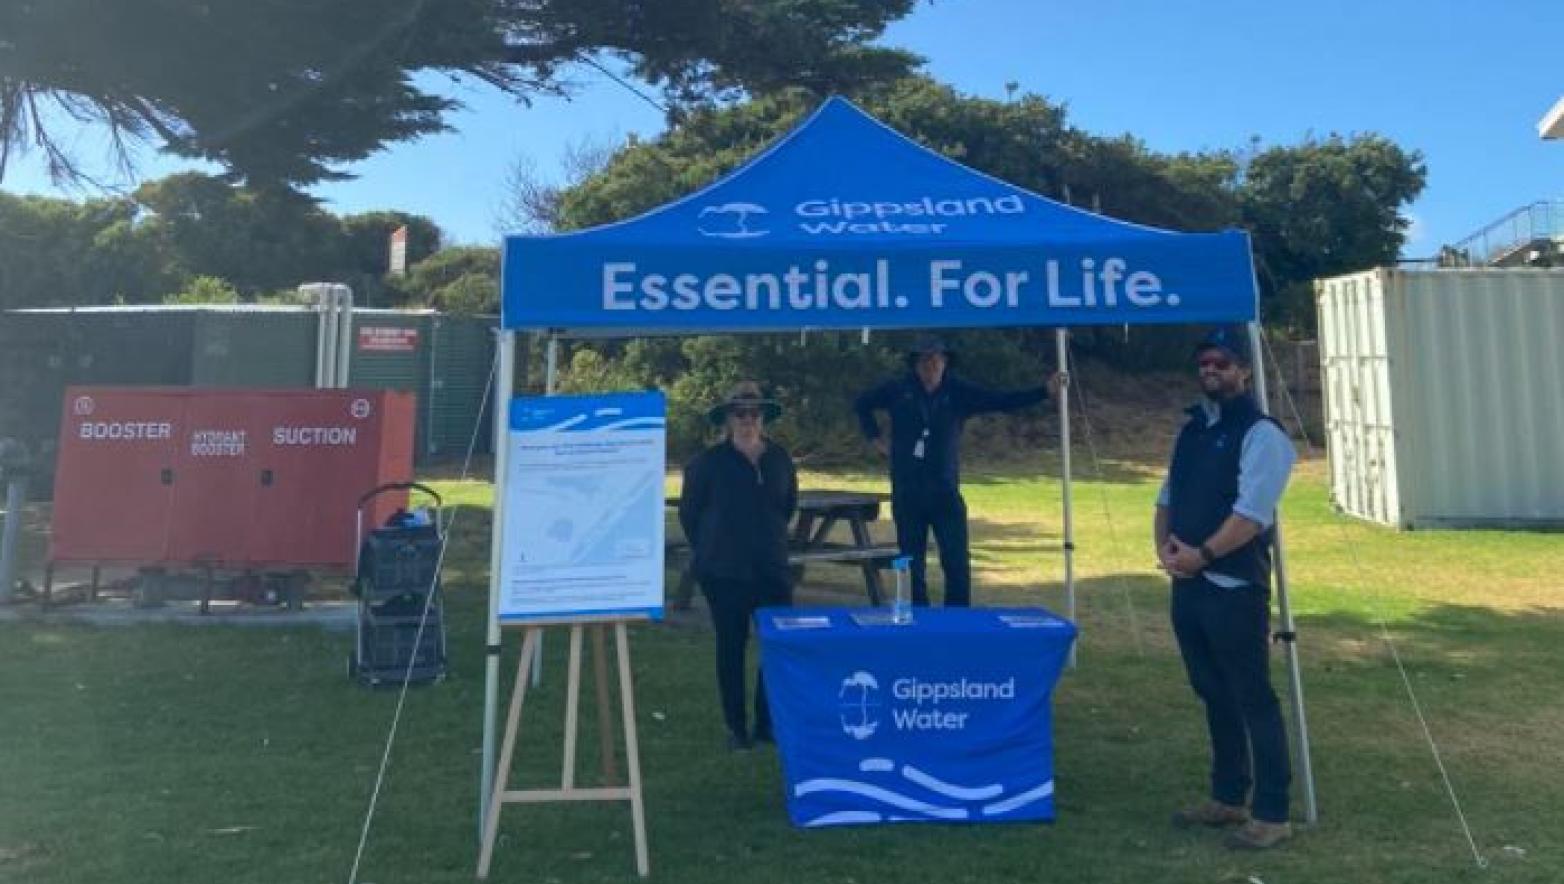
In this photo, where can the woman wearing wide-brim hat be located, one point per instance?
(738, 498)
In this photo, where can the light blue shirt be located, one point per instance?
(1264, 465)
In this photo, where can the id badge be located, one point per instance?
(917, 450)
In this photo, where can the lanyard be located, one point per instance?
(925, 405)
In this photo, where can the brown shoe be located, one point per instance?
(1211, 813)
(1258, 835)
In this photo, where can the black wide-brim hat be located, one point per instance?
(745, 393)
(930, 345)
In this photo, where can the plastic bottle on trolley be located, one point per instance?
(901, 606)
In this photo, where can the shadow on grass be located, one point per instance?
(992, 541)
(1083, 470)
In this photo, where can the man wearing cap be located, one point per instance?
(737, 500)
(928, 407)
(1214, 529)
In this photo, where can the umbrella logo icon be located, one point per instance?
(859, 705)
(730, 221)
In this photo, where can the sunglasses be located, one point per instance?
(743, 413)
(1217, 362)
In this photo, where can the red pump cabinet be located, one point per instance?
(225, 478)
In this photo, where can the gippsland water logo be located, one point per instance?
(925, 216)
(730, 221)
(859, 705)
(914, 704)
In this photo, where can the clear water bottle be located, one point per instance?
(901, 605)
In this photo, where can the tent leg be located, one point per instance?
(491, 667)
(550, 386)
(1062, 353)
(1311, 811)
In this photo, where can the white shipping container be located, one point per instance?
(1444, 395)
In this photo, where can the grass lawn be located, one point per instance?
(170, 754)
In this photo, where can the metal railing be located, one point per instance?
(1494, 244)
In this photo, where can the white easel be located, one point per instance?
(494, 791)
(501, 795)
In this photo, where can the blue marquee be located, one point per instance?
(846, 223)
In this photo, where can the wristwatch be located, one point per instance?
(1206, 554)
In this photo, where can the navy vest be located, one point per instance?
(1203, 486)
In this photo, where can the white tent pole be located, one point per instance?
(550, 385)
(1062, 348)
(1288, 632)
(491, 665)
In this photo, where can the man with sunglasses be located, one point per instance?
(929, 406)
(1214, 528)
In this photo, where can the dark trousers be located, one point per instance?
(1224, 637)
(943, 511)
(733, 604)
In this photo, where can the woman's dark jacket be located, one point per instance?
(735, 513)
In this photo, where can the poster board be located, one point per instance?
(584, 523)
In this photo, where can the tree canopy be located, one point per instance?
(285, 92)
(174, 231)
(1325, 207)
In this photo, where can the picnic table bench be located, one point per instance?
(819, 511)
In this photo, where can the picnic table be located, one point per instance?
(819, 511)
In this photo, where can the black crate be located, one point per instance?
(397, 561)
(387, 645)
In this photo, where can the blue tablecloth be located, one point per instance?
(946, 719)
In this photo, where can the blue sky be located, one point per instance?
(1463, 83)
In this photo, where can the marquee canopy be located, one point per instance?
(846, 223)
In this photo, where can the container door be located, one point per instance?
(461, 358)
(1336, 361)
(393, 353)
(117, 476)
(1374, 407)
(1358, 428)
(317, 453)
(216, 489)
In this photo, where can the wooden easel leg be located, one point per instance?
(605, 719)
(567, 780)
(491, 822)
(632, 751)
